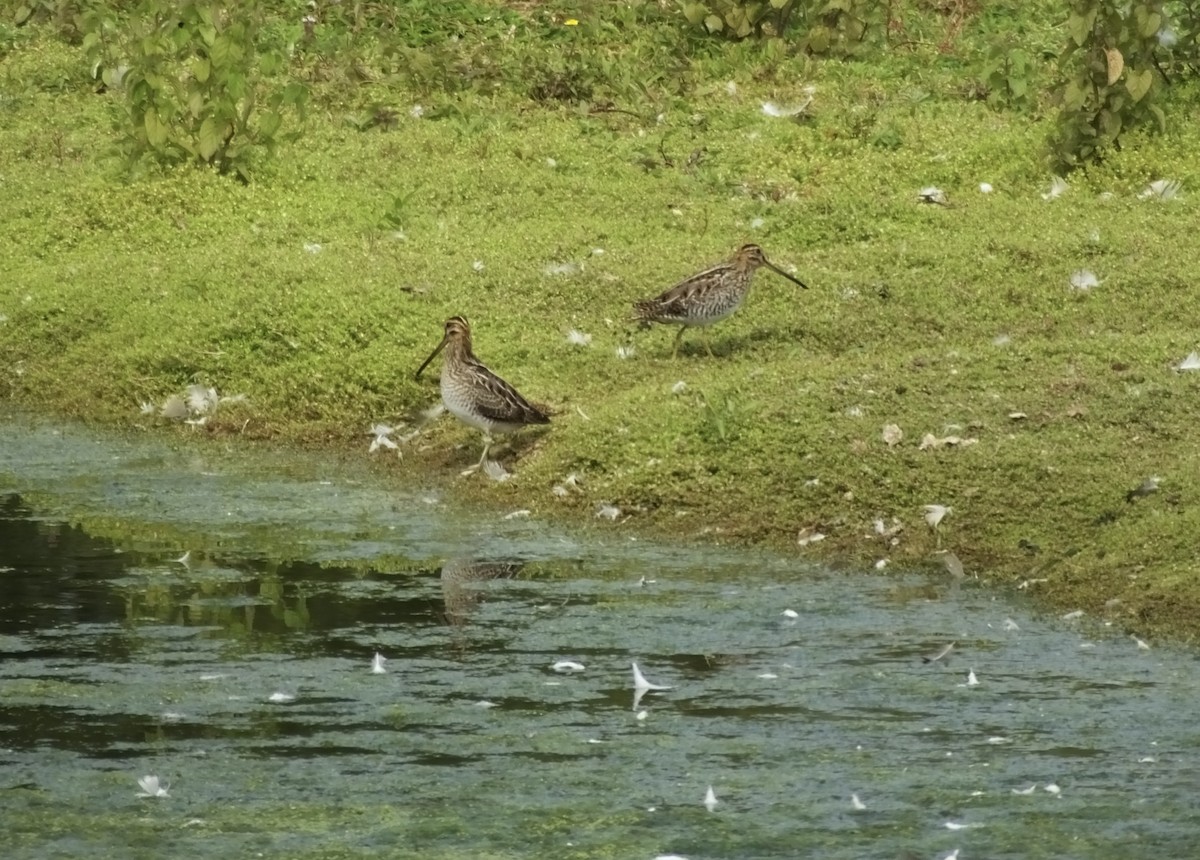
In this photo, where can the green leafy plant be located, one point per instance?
(196, 84)
(1110, 80)
(1009, 75)
(829, 25)
(738, 18)
(1179, 39)
(835, 26)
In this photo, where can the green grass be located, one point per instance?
(116, 291)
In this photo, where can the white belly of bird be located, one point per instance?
(461, 405)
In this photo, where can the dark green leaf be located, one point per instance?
(1073, 96)
(156, 130)
(694, 12)
(1077, 29)
(1160, 116)
(1138, 83)
(221, 53)
(269, 123)
(211, 136)
(1110, 124)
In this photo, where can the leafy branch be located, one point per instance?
(196, 85)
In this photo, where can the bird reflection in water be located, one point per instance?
(459, 583)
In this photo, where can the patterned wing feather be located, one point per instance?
(680, 301)
(498, 401)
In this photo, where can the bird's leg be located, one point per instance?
(707, 345)
(487, 445)
(678, 337)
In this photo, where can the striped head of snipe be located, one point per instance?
(750, 258)
(456, 336)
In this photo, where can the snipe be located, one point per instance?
(709, 296)
(476, 396)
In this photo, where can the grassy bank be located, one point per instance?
(318, 289)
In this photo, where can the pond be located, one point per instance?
(210, 616)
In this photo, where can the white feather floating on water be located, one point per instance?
(152, 787)
(940, 654)
(641, 686)
(710, 800)
(377, 664)
(640, 682)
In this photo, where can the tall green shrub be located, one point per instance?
(1110, 81)
(195, 83)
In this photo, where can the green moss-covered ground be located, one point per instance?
(533, 218)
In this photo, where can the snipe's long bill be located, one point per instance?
(476, 396)
(708, 297)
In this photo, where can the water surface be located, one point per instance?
(241, 675)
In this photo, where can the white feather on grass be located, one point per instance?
(606, 511)
(792, 111)
(381, 432)
(1084, 280)
(495, 471)
(1058, 187)
(1161, 189)
(934, 195)
(934, 514)
(1192, 362)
